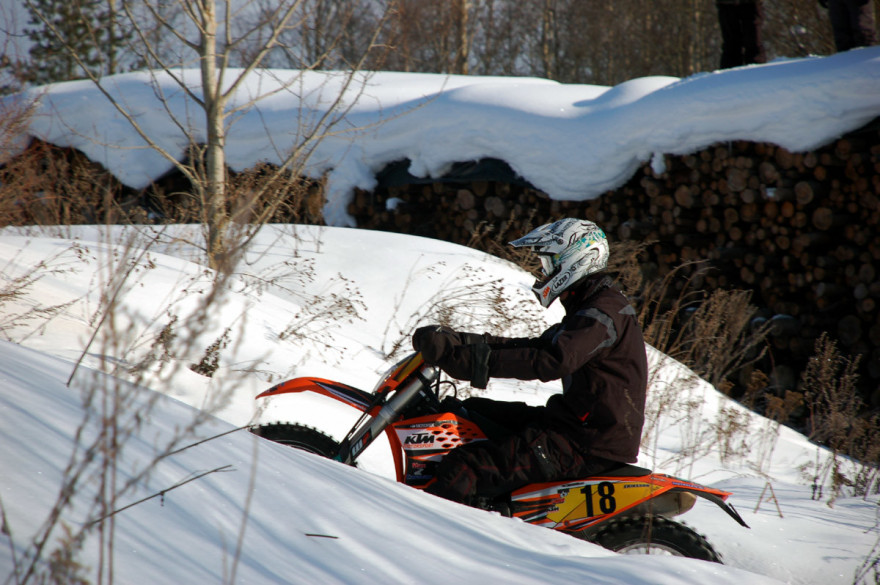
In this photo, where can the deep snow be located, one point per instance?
(286, 315)
(381, 531)
(573, 142)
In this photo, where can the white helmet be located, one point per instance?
(569, 249)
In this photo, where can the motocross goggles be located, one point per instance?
(548, 263)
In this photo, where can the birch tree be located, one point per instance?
(226, 41)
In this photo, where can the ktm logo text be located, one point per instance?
(419, 439)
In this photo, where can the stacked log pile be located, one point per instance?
(801, 230)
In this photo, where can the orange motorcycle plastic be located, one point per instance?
(629, 509)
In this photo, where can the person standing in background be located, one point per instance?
(740, 22)
(853, 23)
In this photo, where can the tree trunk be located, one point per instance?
(463, 51)
(214, 188)
(548, 39)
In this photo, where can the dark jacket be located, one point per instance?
(598, 352)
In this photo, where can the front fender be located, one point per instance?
(336, 390)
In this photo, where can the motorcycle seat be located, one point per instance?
(627, 470)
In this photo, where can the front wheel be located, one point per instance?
(299, 437)
(654, 536)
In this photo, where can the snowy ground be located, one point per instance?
(337, 303)
(572, 142)
(279, 516)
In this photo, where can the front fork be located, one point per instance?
(367, 428)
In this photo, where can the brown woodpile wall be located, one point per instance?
(51, 185)
(801, 230)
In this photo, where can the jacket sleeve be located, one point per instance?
(469, 360)
(497, 340)
(559, 351)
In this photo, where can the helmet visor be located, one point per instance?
(546, 264)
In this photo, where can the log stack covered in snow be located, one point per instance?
(802, 230)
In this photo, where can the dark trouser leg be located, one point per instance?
(731, 48)
(751, 19)
(864, 33)
(838, 14)
(511, 417)
(853, 23)
(494, 468)
(740, 34)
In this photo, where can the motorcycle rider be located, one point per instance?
(598, 352)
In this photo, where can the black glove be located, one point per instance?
(823, 3)
(464, 356)
(434, 342)
(468, 362)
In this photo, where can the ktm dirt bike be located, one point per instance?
(628, 509)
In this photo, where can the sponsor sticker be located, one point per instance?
(561, 281)
(416, 439)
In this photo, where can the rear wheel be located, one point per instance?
(299, 437)
(654, 536)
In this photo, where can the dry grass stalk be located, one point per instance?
(708, 332)
(834, 406)
(46, 185)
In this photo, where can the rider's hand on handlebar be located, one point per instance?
(435, 342)
(464, 356)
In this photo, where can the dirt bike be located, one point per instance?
(627, 509)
